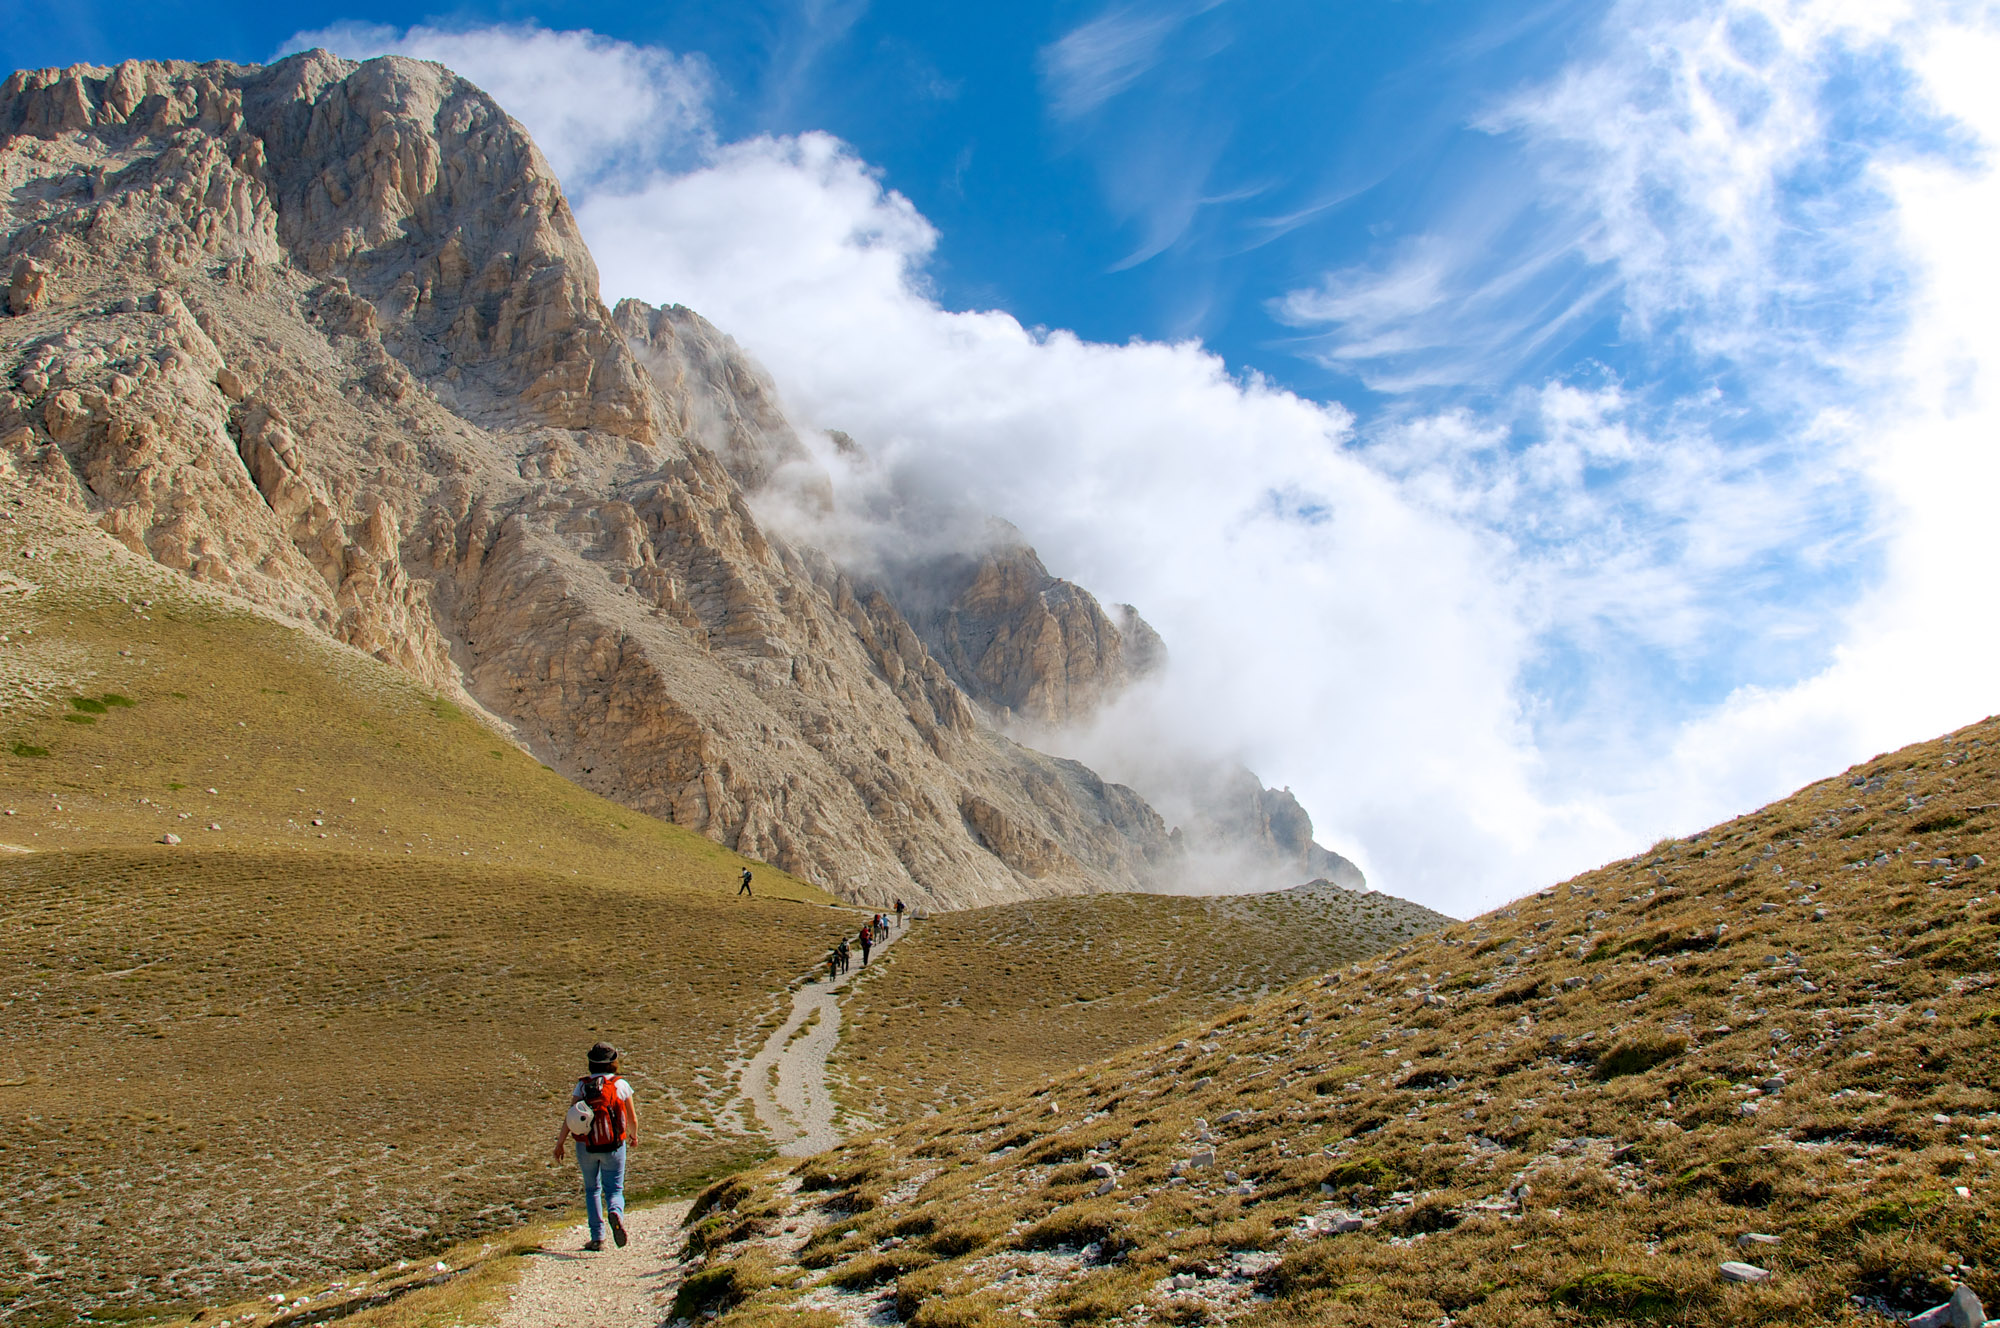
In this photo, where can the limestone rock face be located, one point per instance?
(723, 399)
(1029, 644)
(325, 334)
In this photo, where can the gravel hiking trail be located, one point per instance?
(564, 1287)
(786, 1080)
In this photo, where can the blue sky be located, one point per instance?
(1535, 428)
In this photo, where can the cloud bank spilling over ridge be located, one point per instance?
(1556, 597)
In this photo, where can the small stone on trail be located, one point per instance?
(1101, 1171)
(1105, 1186)
(1749, 1238)
(1205, 1158)
(170, 839)
(1733, 1271)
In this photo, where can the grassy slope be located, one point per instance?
(282, 1048)
(989, 999)
(1566, 1111)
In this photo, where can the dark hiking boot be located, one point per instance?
(593, 1246)
(618, 1230)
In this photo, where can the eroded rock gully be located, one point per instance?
(326, 335)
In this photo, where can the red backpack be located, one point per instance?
(607, 1114)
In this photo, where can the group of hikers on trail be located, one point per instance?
(602, 1121)
(877, 930)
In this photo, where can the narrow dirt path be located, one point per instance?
(786, 1080)
(564, 1287)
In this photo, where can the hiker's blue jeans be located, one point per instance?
(603, 1185)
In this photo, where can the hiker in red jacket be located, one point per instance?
(603, 1121)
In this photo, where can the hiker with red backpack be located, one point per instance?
(603, 1121)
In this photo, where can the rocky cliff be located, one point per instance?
(326, 335)
(1031, 645)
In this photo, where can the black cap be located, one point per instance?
(602, 1054)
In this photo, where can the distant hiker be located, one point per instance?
(899, 912)
(603, 1121)
(833, 964)
(744, 889)
(866, 942)
(846, 955)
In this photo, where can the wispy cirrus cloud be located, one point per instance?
(1715, 215)
(1708, 175)
(1156, 157)
(1097, 60)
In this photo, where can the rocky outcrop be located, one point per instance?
(722, 398)
(1030, 645)
(325, 334)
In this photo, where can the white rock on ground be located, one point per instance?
(1963, 1310)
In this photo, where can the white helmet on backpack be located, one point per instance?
(580, 1117)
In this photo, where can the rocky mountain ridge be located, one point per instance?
(325, 334)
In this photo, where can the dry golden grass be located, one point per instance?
(1566, 1111)
(463, 1284)
(989, 999)
(282, 1051)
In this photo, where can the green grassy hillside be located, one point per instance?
(1772, 1044)
(989, 999)
(333, 1025)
